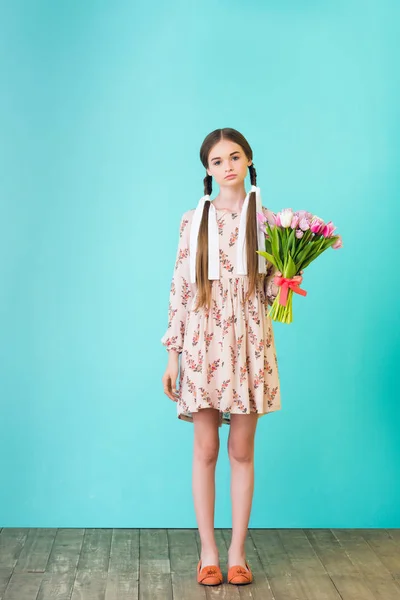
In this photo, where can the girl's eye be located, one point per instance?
(234, 157)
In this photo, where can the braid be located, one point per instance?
(253, 174)
(251, 236)
(207, 185)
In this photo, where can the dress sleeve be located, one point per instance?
(271, 290)
(181, 292)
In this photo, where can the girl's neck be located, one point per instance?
(230, 199)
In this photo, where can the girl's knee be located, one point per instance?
(240, 452)
(206, 449)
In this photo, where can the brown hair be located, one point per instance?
(203, 283)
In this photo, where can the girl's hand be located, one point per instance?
(169, 380)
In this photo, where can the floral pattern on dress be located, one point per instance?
(228, 358)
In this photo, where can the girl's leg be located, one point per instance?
(205, 454)
(241, 457)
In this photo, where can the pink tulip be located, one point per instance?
(338, 243)
(304, 224)
(278, 220)
(261, 218)
(295, 221)
(317, 225)
(328, 229)
(299, 233)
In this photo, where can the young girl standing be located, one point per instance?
(218, 325)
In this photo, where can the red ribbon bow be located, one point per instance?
(287, 283)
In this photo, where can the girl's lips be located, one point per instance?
(230, 177)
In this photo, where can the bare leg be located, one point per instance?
(205, 454)
(241, 457)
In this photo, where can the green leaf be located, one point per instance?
(268, 256)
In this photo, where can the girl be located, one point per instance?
(218, 325)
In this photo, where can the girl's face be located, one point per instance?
(228, 158)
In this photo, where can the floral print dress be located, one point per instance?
(227, 354)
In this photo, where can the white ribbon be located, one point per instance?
(213, 238)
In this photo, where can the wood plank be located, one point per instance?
(12, 541)
(283, 578)
(5, 576)
(35, 554)
(312, 574)
(23, 586)
(260, 589)
(123, 570)
(385, 547)
(91, 575)
(394, 534)
(58, 580)
(155, 568)
(184, 556)
(376, 575)
(345, 575)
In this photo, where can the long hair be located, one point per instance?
(203, 283)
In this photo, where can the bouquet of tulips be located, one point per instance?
(292, 241)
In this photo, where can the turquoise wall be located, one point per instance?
(104, 106)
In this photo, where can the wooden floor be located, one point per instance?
(152, 564)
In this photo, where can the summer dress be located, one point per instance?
(228, 357)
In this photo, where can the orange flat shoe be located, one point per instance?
(239, 575)
(209, 575)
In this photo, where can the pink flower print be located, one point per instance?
(171, 313)
(183, 225)
(221, 224)
(234, 237)
(258, 379)
(225, 261)
(184, 253)
(253, 405)
(208, 337)
(237, 401)
(206, 397)
(233, 359)
(182, 330)
(196, 336)
(235, 287)
(184, 405)
(239, 343)
(191, 386)
(212, 367)
(253, 312)
(268, 340)
(259, 348)
(224, 297)
(196, 367)
(216, 314)
(221, 391)
(171, 341)
(252, 336)
(173, 289)
(267, 366)
(243, 374)
(248, 364)
(226, 324)
(270, 393)
(185, 292)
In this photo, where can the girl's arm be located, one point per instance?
(181, 292)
